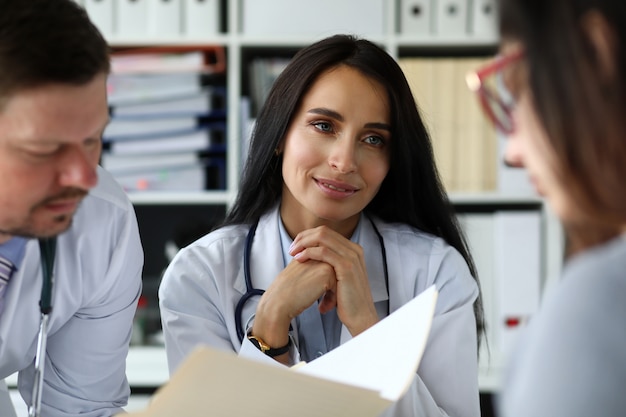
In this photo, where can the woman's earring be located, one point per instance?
(275, 162)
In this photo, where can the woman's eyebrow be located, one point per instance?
(334, 115)
(327, 112)
(376, 125)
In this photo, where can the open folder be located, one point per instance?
(360, 378)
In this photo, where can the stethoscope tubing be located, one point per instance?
(250, 290)
(47, 248)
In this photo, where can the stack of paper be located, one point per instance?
(168, 122)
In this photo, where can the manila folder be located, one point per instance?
(360, 378)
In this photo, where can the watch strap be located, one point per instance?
(267, 349)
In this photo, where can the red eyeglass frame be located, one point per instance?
(476, 82)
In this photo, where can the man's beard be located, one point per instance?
(29, 233)
(30, 229)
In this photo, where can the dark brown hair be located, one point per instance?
(47, 41)
(581, 106)
(411, 193)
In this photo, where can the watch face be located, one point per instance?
(263, 347)
(260, 345)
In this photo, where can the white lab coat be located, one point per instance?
(97, 282)
(204, 282)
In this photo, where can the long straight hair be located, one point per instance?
(580, 103)
(411, 193)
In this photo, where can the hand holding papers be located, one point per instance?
(385, 357)
(360, 378)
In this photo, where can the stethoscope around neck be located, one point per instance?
(252, 292)
(47, 247)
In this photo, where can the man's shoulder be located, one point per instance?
(105, 205)
(108, 191)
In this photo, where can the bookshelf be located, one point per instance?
(242, 46)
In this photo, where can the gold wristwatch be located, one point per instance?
(267, 349)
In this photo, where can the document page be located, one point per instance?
(214, 383)
(385, 357)
(360, 378)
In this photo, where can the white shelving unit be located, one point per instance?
(235, 42)
(145, 365)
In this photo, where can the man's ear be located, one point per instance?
(603, 40)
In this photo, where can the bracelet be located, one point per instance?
(265, 348)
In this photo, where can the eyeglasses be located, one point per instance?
(495, 98)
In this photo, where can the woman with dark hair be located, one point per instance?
(339, 221)
(563, 64)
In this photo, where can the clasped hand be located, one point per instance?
(326, 265)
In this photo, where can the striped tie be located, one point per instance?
(6, 269)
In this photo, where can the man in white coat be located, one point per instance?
(53, 110)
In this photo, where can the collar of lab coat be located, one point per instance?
(266, 260)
